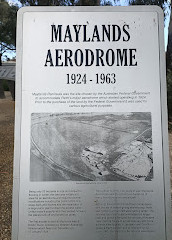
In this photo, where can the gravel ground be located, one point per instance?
(6, 164)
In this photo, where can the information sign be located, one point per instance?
(91, 149)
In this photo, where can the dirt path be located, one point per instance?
(6, 164)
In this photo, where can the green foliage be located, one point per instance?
(169, 71)
(148, 2)
(47, 2)
(7, 27)
(169, 47)
(169, 92)
(88, 3)
(64, 2)
(7, 23)
(164, 4)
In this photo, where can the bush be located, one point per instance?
(5, 85)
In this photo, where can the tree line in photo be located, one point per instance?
(8, 16)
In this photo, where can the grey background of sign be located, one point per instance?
(18, 109)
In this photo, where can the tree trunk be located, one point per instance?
(169, 70)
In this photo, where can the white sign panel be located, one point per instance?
(91, 149)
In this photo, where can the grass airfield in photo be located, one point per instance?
(91, 147)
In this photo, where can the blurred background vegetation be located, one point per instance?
(8, 15)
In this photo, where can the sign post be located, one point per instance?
(91, 138)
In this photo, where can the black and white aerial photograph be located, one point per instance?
(91, 147)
